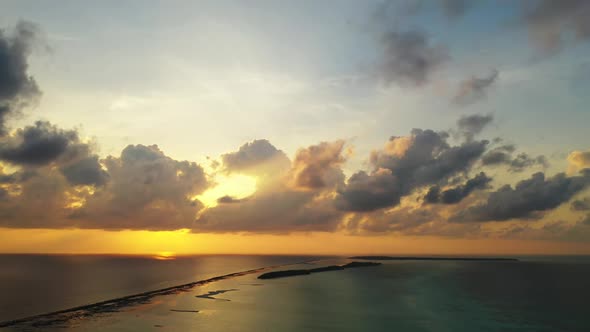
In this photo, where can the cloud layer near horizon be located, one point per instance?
(435, 182)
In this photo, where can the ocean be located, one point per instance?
(532, 294)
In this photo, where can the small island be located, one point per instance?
(290, 273)
(418, 258)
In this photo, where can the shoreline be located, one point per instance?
(433, 258)
(112, 305)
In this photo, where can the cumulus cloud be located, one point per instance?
(37, 145)
(550, 22)
(368, 192)
(258, 158)
(278, 211)
(46, 145)
(85, 171)
(17, 87)
(252, 154)
(280, 205)
(578, 160)
(318, 166)
(141, 189)
(40, 200)
(410, 58)
(146, 190)
(456, 194)
(528, 199)
(425, 158)
(474, 89)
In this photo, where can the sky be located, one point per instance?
(295, 127)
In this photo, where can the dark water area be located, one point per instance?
(35, 284)
(533, 294)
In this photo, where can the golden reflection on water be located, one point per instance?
(165, 255)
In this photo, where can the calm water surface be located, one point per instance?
(534, 294)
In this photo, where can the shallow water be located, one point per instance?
(36, 284)
(538, 294)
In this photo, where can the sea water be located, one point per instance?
(533, 294)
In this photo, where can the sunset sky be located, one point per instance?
(317, 127)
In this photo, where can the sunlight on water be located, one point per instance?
(165, 255)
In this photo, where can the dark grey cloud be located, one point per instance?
(46, 145)
(456, 194)
(456, 8)
(397, 10)
(424, 158)
(85, 171)
(16, 177)
(551, 22)
(502, 155)
(410, 58)
(471, 125)
(17, 87)
(528, 199)
(37, 145)
(523, 161)
(368, 192)
(581, 204)
(474, 89)
(229, 199)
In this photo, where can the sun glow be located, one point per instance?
(237, 186)
(165, 255)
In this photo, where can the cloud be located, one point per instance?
(425, 158)
(318, 166)
(527, 199)
(85, 171)
(37, 145)
(278, 211)
(502, 155)
(142, 189)
(474, 89)
(400, 219)
(578, 160)
(456, 194)
(409, 58)
(550, 22)
(368, 192)
(146, 190)
(260, 159)
(455, 8)
(471, 125)
(228, 200)
(17, 87)
(581, 204)
(37, 201)
(280, 205)
(250, 155)
(452, 9)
